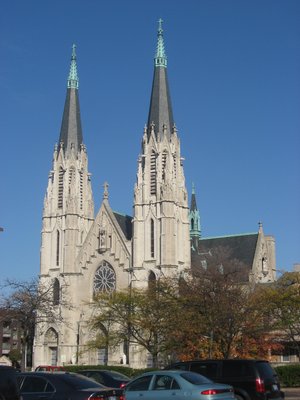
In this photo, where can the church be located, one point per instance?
(83, 252)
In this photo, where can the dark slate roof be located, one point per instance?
(241, 247)
(160, 112)
(71, 132)
(125, 224)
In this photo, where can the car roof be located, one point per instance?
(164, 372)
(50, 373)
(59, 374)
(100, 370)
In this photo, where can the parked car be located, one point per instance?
(167, 385)
(51, 368)
(9, 389)
(251, 379)
(62, 386)
(106, 377)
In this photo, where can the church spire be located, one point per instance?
(194, 216)
(70, 138)
(160, 112)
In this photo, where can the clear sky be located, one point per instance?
(234, 74)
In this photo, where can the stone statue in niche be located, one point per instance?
(265, 265)
(102, 237)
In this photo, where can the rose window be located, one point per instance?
(105, 278)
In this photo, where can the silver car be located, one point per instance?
(176, 385)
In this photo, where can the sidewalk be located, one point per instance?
(291, 393)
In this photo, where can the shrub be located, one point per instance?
(289, 375)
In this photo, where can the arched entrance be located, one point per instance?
(51, 345)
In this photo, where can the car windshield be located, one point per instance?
(80, 382)
(117, 375)
(195, 379)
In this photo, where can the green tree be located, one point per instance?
(144, 317)
(15, 357)
(282, 308)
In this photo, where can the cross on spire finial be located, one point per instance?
(160, 59)
(160, 29)
(105, 192)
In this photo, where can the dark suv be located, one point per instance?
(251, 379)
(9, 389)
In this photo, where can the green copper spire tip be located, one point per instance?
(160, 59)
(193, 188)
(73, 81)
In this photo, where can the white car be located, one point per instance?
(176, 385)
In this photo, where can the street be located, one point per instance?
(292, 393)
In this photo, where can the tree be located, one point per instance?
(29, 303)
(145, 317)
(217, 301)
(15, 357)
(282, 308)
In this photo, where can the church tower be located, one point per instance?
(161, 242)
(194, 216)
(68, 206)
(68, 215)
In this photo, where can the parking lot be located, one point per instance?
(292, 393)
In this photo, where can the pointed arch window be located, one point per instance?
(60, 187)
(81, 189)
(152, 281)
(153, 173)
(192, 224)
(71, 175)
(71, 178)
(175, 165)
(57, 247)
(163, 163)
(152, 238)
(56, 290)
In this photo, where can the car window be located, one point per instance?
(80, 382)
(207, 369)
(95, 375)
(194, 378)
(165, 382)
(236, 369)
(265, 370)
(33, 384)
(117, 375)
(49, 388)
(141, 383)
(184, 367)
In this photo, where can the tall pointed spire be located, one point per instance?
(70, 138)
(194, 216)
(160, 112)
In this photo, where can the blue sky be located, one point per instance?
(234, 74)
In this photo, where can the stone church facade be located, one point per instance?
(82, 253)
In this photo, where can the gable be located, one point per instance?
(108, 235)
